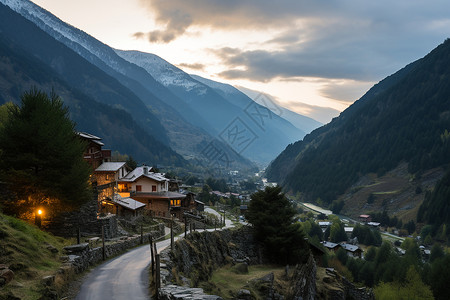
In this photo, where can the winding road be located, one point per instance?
(124, 277)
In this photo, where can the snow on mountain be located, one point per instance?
(225, 88)
(164, 72)
(65, 33)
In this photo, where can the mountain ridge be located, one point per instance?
(399, 120)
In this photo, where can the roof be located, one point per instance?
(329, 245)
(349, 247)
(91, 137)
(348, 229)
(373, 224)
(324, 223)
(160, 195)
(364, 216)
(127, 202)
(139, 172)
(110, 166)
(88, 136)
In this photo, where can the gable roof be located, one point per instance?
(349, 247)
(110, 166)
(91, 137)
(127, 202)
(329, 245)
(140, 172)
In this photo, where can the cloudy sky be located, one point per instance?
(316, 57)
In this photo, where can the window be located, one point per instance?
(138, 188)
(153, 188)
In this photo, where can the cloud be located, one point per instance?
(345, 91)
(355, 40)
(194, 66)
(319, 113)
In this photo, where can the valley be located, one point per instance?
(102, 143)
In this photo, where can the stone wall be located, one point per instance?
(82, 256)
(199, 254)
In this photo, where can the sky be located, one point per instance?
(315, 57)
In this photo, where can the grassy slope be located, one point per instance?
(24, 249)
(226, 283)
(394, 191)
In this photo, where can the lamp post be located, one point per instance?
(38, 218)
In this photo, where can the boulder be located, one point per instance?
(6, 275)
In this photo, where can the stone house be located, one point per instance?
(94, 154)
(152, 189)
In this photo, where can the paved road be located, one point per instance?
(124, 277)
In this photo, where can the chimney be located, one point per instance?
(145, 170)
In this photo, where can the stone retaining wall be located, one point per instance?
(199, 254)
(82, 256)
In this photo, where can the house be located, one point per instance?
(365, 218)
(152, 189)
(106, 178)
(373, 224)
(348, 231)
(352, 250)
(94, 154)
(331, 246)
(324, 225)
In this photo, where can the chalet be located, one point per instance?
(94, 153)
(365, 218)
(324, 225)
(331, 246)
(352, 250)
(348, 231)
(151, 189)
(106, 178)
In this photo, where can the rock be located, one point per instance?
(77, 248)
(244, 294)
(7, 275)
(48, 280)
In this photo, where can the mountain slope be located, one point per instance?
(20, 70)
(187, 139)
(401, 119)
(221, 110)
(80, 73)
(242, 95)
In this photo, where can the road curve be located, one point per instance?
(124, 277)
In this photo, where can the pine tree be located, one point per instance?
(42, 156)
(272, 217)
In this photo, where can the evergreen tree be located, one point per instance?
(42, 156)
(272, 217)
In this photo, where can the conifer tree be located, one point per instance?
(42, 156)
(272, 217)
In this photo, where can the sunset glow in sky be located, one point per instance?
(314, 57)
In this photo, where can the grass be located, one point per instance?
(225, 282)
(24, 249)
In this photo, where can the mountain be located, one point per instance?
(303, 123)
(21, 70)
(176, 130)
(401, 120)
(266, 129)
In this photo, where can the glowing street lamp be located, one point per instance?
(38, 218)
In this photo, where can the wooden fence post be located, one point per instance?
(103, 242)
(152, 258)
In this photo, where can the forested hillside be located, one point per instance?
(401, 119)
(20, 71)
